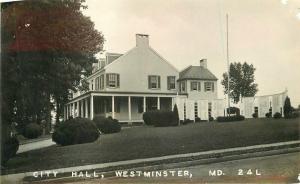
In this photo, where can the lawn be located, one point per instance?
(144, 141)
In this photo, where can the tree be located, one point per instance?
(287, 107)
(45, 47)
(176, 115)
(241, 81)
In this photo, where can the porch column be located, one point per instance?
(67, 112)
(81, 110)
(113, 107)
(144, 104)
(73, 113)
(129, 108)
(77, 109)
(172, 103)
(86, 108)
(64, 112)
(92, 107)
(158, 103)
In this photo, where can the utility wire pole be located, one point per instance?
(228, 67)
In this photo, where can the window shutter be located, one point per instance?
(107, 79)
(199, 86)
(158, 78)
(149, 84)
(212, 87)
(191, 85)
(118, 80)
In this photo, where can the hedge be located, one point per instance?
(32, 131)
(75, 131)
(160, 118)
(230, 118)
(9, 148)
(277, 115)
(255, 115)
(107, 125)
(186, 121)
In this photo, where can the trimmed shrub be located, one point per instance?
(255, 115)
(233, 110)
(187, 121)
(75, 131)
(230, 118)
(107, 125)
(287, 108)
(268, 115)
(160, 118)
(32, 131)
(176, 114)
(147, 118)
(9, 148)
(277, 115)
(211, 118)
(197, 119)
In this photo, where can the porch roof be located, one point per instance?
(125, 93)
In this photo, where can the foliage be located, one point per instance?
(287, 108)
(45, 47)
(32, 131)
(255, 115)
(277, 115)
(230, 118)
(9, 148)
(268, 115)
(75, 131)
(176, 114)
(197, 119)
(107, 125)
(160, 118)
(233, 110)
(241, 81)
(187, 121)
(211, 118)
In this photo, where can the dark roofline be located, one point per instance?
(197, 79)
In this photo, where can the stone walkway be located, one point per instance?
(35, 145)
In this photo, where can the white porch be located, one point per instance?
(123, 107)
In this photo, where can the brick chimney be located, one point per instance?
(142, 40)
(203, 63)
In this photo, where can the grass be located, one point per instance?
(144, 141)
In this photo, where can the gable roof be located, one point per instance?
(196, 72)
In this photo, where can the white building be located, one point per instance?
(124, 86)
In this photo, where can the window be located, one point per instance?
(171, 82)
(92, 84)
(182, 86)
(153, 82)
(112, 80)
(101, 82)
(209, 86)
(195, 86)
(97, 83)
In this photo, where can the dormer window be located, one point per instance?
(209, 86)
(154, 82)
(112, 80)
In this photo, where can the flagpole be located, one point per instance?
(228, 66)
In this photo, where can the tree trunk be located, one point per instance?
(57, 111)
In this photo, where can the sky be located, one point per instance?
(265, 33)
